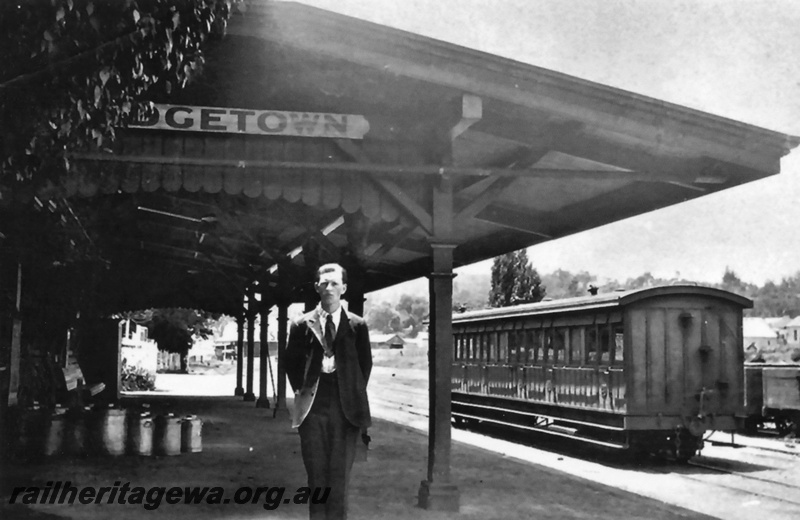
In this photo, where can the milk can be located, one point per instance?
(191, 434)
(76, 437)
(167, 440)
(54, 431)
(108, 431)
(29, 432)
(140, 434)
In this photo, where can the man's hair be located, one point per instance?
(331, 268)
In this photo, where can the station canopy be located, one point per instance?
(312, 137)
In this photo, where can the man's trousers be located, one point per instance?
(328, 442)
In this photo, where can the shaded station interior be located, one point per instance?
(467, 156)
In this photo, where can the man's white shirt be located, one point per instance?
(329, 363)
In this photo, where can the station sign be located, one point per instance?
(258, 122)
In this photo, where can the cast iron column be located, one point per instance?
(283, 318)
(251, 331)
(240, 325)
(263, 400)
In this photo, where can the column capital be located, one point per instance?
(434, 276)
(439, 243)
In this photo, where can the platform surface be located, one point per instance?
(245, 447)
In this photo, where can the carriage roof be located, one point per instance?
(612, 300)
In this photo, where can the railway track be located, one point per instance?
(771, 488)
(735, 480)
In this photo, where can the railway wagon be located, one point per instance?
(649, 370)
(772, 398)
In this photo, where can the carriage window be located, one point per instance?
(547, 346)
(549, 342)
(534, 346)
(492, 347)
(575, 345)
(559, 343)
(590, 340)
(522, 345)
(619, 344)
(503, 347)
(513, 346)
(606, 343)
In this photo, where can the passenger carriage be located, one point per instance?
(648, 370)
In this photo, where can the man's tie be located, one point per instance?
(330, 333)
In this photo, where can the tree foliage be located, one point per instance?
(564, 284)
(74, 71)
(514, 280)
(407, 316)
(174, 329)
(470, 292)
(413, 310)
(384, 318)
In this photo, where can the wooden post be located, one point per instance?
(251, 332)
(10, 278)
(355, 290)
(438, 492)
(240, 324)
(283, 319)
(16, 341)
(263, 400)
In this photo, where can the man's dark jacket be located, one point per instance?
(353, 358)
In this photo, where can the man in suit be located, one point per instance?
(328, 362)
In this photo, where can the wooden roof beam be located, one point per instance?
(487, 190)
(469, 111)
(494, 187)
(395, 192)
(407, 203)
(184, 253)
(379, 170)
(516, 220)
(392, 243)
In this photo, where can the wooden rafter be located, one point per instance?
(375, 170)
(407, 203)
(393, 242)
(516, 220)
(486, 191)
(486, 197)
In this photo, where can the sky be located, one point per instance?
(733, 58)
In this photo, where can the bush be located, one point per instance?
(137, 378)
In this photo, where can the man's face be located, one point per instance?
(330, 289)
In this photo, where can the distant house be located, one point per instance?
(394, 341)
(202, 351)
(793, 332)
(136, 348)
(225, 341)
(759, 335)
(779, 325)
